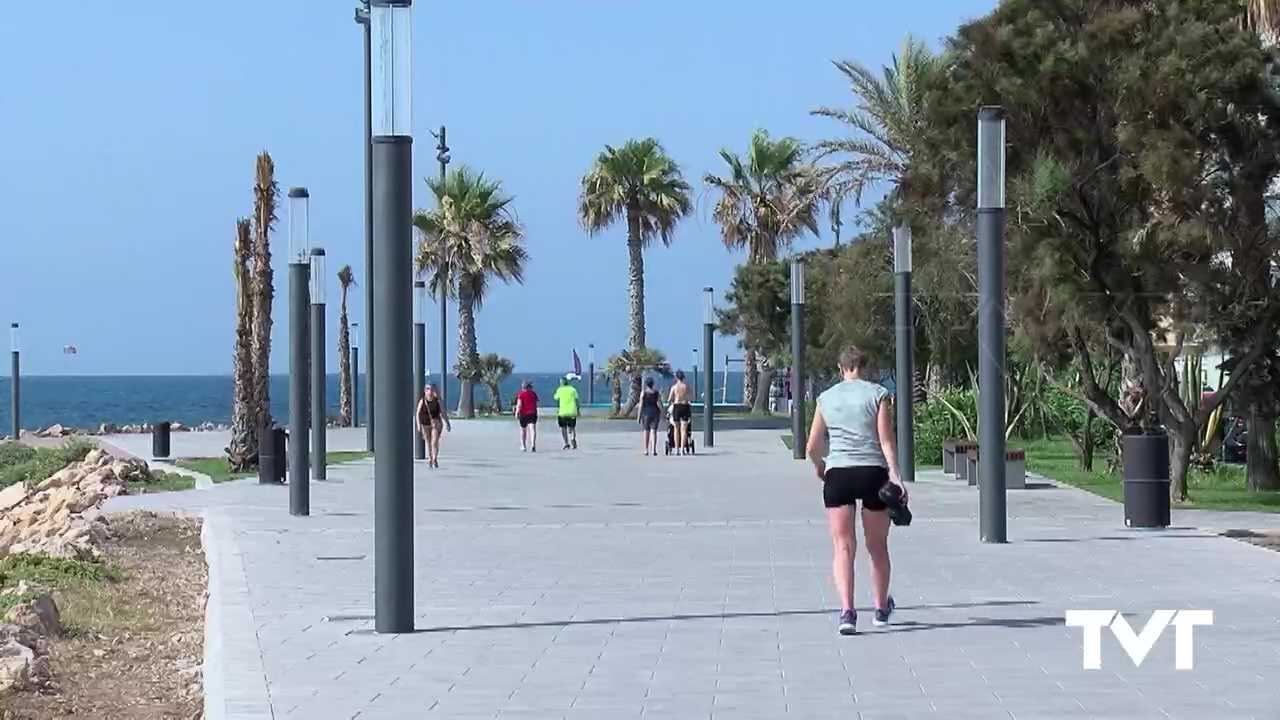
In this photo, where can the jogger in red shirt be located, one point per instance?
(526, 411)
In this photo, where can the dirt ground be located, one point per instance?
(133, 647)
(1269, 539)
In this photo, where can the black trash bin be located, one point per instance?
(1145, 472)
(160, 439)
(268, 458)
(280, 439)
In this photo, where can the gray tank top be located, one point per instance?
(850, 409)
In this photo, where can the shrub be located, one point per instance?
(36, 464)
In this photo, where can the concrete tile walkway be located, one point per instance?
(603, 584)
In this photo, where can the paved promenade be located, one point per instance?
(602, 584)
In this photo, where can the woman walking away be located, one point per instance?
(431, 420)
(860, 458)
(526, 412)
(649, 413)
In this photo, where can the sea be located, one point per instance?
(86, 402)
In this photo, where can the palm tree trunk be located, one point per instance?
(468, 354)
(344, 364)
(264, 217)
(635, 287)
(496, 396)
(242, 451)
(761, 405)
(750, 377)
(615, 389)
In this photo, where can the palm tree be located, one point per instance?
(634, 364)
(242, 452)
(888, 120)
(640, 184)
(1263, 17)
(265, 192)
(471, 237)
(611, 374)
(767, 201)
(346, 279)
(889, 123)
(494, 369)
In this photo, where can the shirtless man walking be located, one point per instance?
(680, 399)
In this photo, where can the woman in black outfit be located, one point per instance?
(649, 413)
(431, 420)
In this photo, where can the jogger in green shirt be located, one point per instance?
(567, 417)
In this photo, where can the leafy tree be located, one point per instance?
(346, 280)
(767, 200)
(471, 238)
(641, 185)
(1127, 183)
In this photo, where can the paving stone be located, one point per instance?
(593, 584)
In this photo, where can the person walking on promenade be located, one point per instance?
(681, 398)
(431, 420)
(649, 413)
(526, 411)
(859, 459)
(567, 415)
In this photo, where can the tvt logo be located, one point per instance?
(1139, 644)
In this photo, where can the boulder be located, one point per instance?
(18, 667)
(38, 615)
(60, 515)
(12, 496)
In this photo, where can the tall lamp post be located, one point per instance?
(299, 350)
(390, 23)
(355, 375)
(905, 371)
(442, 157)
(419, 357)
(695, 372)
(15, 381)
(362, 18)
(993, 512)
(798, 439)
(708, 348)
(591, 373)
(319, 378)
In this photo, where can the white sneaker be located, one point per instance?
(524, 448)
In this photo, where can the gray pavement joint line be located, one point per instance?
(226, 581)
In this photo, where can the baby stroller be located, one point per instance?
(671, 436)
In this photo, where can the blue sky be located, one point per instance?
(130, 130)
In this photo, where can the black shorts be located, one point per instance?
(847, 485)
(682, 412)
(650, 420)
(527, 420)
(567, 421)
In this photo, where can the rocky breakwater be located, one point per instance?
(60, 517)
